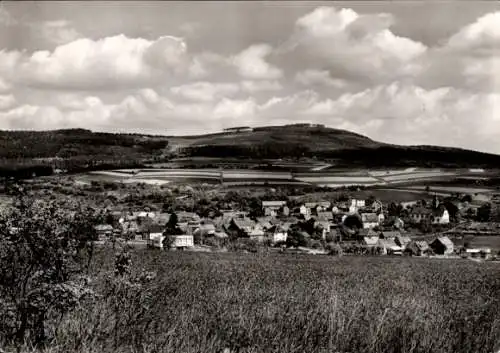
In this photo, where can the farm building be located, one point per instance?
(271, 208)
(280, 235)
(273, 204)
(155, 240)
(305, 211)
(420, 214)
(245, 227)
(442, 246)
(265, 223)
(371, 241)
(389, 247)
(370, 220)
(183, 241)
(355, 205)
(484, 253)
(417, 248)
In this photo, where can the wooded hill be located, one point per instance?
(39, 152)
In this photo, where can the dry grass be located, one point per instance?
(285, 303)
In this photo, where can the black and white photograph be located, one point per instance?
(250, 176)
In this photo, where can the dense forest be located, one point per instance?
(27, 153)
(383, 156)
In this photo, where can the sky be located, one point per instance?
(403, 72)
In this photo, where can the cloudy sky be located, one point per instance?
(401, 72)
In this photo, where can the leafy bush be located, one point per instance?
(45, 253)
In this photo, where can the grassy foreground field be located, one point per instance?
(285, 303)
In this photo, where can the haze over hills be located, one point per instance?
(76, 147)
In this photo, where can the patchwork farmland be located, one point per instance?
(405, 178)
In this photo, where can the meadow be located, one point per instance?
(234, 302)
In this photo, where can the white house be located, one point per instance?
(441, 216)
(280, 235)
(183, 241)
(306, 211)
(180, 241)
(356, 205)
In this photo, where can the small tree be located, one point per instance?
(353, 222)
(484, 212)
(295, 237)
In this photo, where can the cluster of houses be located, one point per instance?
(274, 226)
(398, 243)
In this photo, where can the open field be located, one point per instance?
(492, 242)
(410, 178)
(453, 189)
(292, 303)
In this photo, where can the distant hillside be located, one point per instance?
(27, 152)
(311, 138)
(343, 148)
(80, 149)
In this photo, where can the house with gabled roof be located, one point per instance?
(370, 220)
(355, 205)
(265, 223)
(417, 247)
(442, 246)
(402, 240)
(420, 214)
(389, 247)
(245, 227)
(272, 208)
(280, 234)
(371, 241)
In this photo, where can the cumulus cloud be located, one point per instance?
(205, 91)
(468, 59)
(259, 86)
(312, 77)
(251, 63)
(352, 46)
(108, 63)
(401, 113)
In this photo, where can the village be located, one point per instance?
(350, 226)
